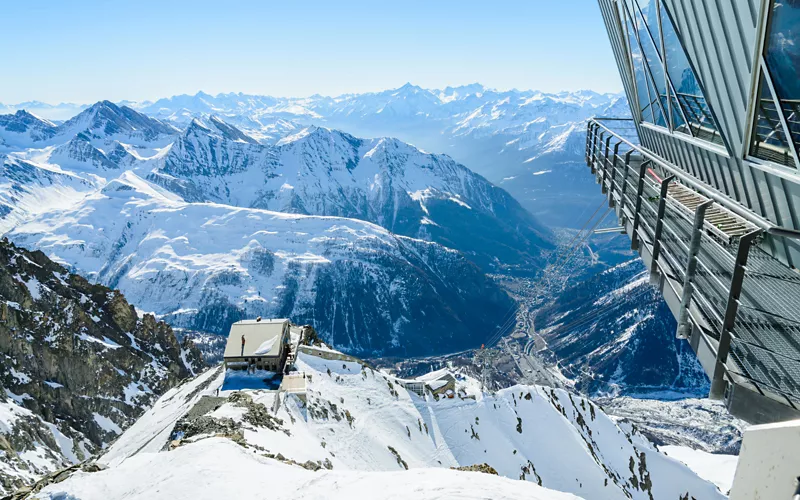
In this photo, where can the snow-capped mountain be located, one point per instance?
(107, 121)
(385, 181)
(497, 133)
(78, 366)
(203, 266)
(356, 429)
(472, 123)
(24, 129)
(520, 140)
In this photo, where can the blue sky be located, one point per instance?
(85, 51)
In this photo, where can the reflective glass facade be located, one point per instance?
(674, 97)
(777, 113)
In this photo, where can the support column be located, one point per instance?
(594, 149)
(604, 174)
(684, 331)
(613, 174)
(718, 380)
(662, 208)
(625, 182)
(638, 207)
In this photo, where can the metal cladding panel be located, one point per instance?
(722, 43)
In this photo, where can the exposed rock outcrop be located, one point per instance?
(78, 365)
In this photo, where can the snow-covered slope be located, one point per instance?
(202, 266)
(325, 172)
(216, 468)
(358, 425)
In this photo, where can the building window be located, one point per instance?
(776, 132)
(671, 90)
(646, 100)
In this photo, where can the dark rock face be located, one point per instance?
(78, 358)
(614, 333)
(79, 149)
(484, 467)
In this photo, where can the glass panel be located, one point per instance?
(650, 10)
(638, 72)
(769, 140)
(782, 54)
(657, 112)
(653, 62)
(677, 117)
(687, 88)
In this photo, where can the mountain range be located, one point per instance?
(369, 240)
(263, 152)
(461, 121)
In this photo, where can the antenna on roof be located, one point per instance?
(258, 319)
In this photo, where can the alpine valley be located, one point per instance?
(136, 233)
(206, 209)
(382, 247)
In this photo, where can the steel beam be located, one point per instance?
(684, 328)
(595, 138)
(662, 208)
(604, 174)
(590, 130)
(613, 173)
(638, 208)
(718, 380)
(625, 182)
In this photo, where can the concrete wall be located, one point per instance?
(333, 356)
(769, 462)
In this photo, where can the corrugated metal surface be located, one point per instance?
(722, 42)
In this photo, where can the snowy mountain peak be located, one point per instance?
(409, 88)
(24, 128)
(229, 131)
(214, 126)
(23, 116)
(104, 120)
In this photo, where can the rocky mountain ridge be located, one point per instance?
(79, 365)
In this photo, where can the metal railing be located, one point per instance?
(770, 141)
(728, 287)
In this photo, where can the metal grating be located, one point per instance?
(762, 299)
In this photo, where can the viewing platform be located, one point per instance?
(736, 304)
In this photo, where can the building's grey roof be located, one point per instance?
(256, 334)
